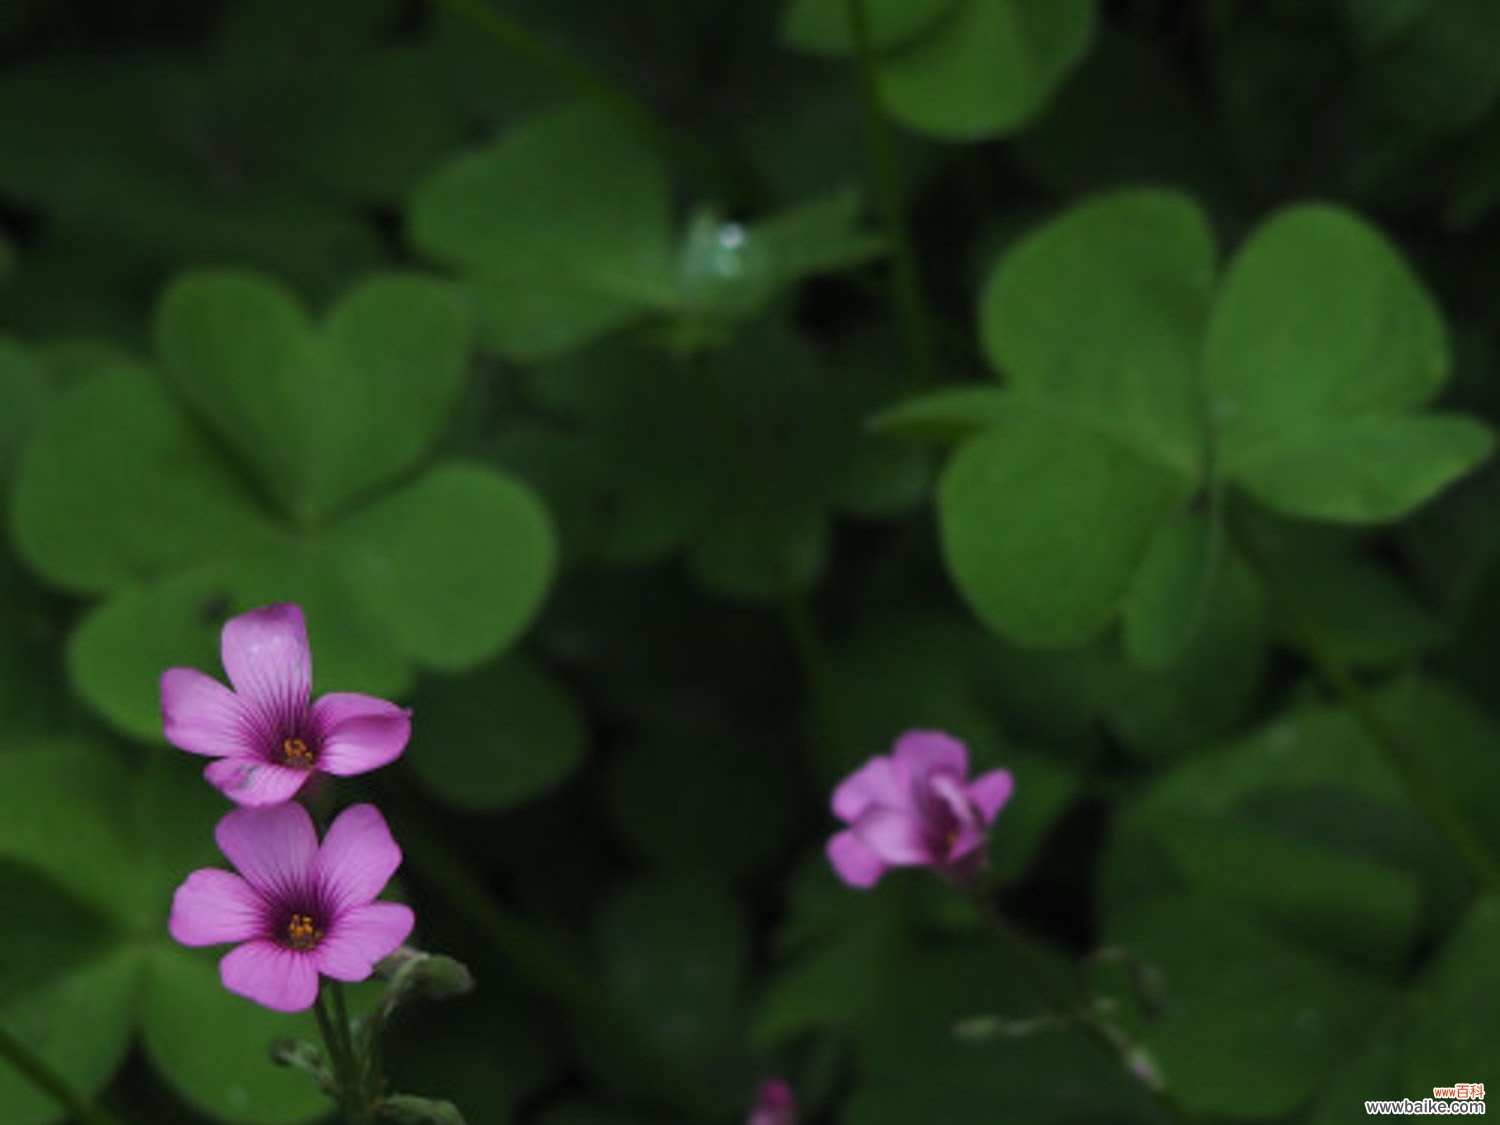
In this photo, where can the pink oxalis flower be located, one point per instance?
(296, 908)
(776, 1105)
(916, 808)
(269, 735)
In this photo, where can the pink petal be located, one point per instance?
(274, 848)
(856, 864)
(776, 1104)
(212, 907)
(877, 782)
(201, 715)
(360, 937)
(269, 974)
(266, 655)
(254, 782)
(358, 857)
(360, 733)
(895, 837)
(923, 751)
(990, 792)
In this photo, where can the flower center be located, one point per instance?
(296, 752)
(302, 933)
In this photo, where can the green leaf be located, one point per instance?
(1171, 590)
(1253, 1024)
(673, 952)
(117, 486)
(1455, 1013)
(55, 932)
(988, 68)
(1370, 469)
(822, 27)
(24, 391)
(80, 1026)
(228, 1074)
(322, 415)
(1318, 320)
(561, 229)
(454, 566)
(496, 736)
(61, 814)
(1044, 524)
(1099, 314)
(117, 654)
(944, 416)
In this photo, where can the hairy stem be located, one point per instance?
(906, 278)
(48, 1081)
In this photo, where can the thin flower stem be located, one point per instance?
(906, 278)
(338, 1055)
(1066, 1007)
(48, 1081)
(587, 84)
(1431, 797)
(361, 1081)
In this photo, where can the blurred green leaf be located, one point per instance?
(227, 1074)
(1320, 337)
(1253, 1024)
(80, 1027)
(1044, 523)
(987, 68)
(1171, 590)
(321, 415)
(674, 954)
(454, 566)
(561, 229)
(822, 27)
(117, 486)
(1454, 1014)
(24, 392)
(676, 798)
(945, 416)
(54, 932)
(496, 736)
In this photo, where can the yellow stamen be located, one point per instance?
(295, 752)
(301, 933)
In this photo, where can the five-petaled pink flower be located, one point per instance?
(268, 734)
(916, 808)
(776, 1105)
(297, 908)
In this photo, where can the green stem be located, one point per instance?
(48, 1081)
(1434, 801)
(538, 962)
(338, 1056)
(590, 86)
(906, 278)
(1069, 1008)
(362, 1083)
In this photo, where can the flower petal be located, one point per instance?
(360, 733)
(213, 906)
(201, 715)
(266, 655)
(895, 838)
(361, 936)
(254, 782)
(877, 782)
(274, 848)
(776, 1104)
(923, 751)
(856, 864)
(358, 857)
(990, 792)
(269, 974)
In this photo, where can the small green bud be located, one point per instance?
(404, 1109)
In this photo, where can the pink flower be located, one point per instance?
(297, 909)
(776, 1105)
(268, 734)
(916, 808)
